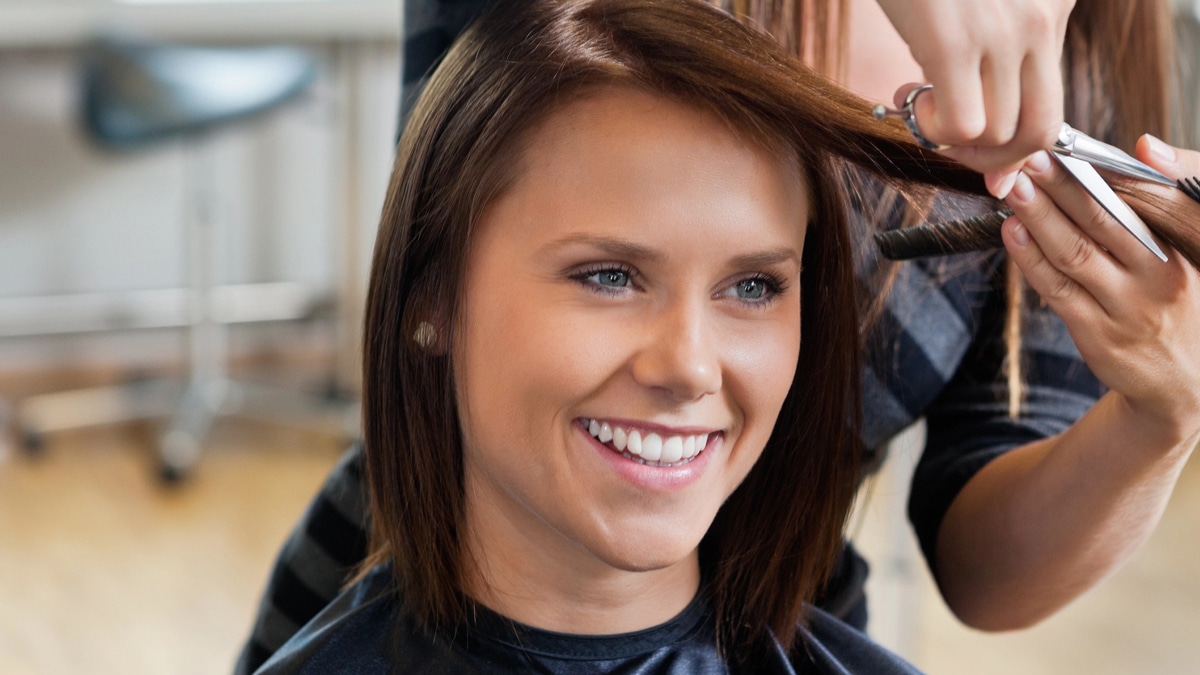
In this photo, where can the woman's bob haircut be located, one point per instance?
(774, 541)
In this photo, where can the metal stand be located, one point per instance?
(209, 392)
(136, 94)
(207, 389)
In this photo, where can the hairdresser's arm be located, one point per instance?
(1040, 525)
(994, 66)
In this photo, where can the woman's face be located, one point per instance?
(631, 327)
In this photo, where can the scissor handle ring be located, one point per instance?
(910, 119)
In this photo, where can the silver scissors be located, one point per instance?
(1080, 154)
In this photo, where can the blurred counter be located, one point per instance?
(50, 23)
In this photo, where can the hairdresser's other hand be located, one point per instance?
(1134, 318)
(1062, 513)
(997, 85)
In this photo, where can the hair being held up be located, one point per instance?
(1176, 223)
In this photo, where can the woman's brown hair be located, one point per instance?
(774, 541)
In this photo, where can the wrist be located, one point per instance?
(1169, 428)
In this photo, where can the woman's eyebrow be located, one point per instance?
(618, 248)
(766, 258)
(621, 248)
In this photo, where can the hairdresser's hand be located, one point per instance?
(997, 85)
(1134, 318)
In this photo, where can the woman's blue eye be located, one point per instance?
(751, 289)
(758, 290)
(610, 278)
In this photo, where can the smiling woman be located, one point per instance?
(611, 344)
(642, 274)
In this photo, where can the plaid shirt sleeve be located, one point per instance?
(968, 424)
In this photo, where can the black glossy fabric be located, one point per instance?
(364, 632)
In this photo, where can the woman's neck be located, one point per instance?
(522, 573)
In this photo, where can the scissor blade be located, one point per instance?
(1104, 195)
(1099, 153)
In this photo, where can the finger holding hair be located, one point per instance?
(997, 93)
(1173, 213)
(1133, 317)
(1095, 223)
(1041, 117)
(1039, 237)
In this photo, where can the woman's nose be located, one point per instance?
(680, 357)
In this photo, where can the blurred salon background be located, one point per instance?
(188, 196)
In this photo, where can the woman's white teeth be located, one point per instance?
(650, 447)
(672, 450)
(635, 442)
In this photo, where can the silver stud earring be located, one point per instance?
(425, 335)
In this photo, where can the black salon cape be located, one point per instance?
(364, 632)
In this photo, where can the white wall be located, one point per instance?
(75, 218)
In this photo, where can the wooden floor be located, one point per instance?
(103, 570)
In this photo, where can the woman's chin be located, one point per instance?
(650, 554)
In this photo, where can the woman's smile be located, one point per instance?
(651, 458)
(648, 444)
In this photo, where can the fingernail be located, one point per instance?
(1038, 161)
(1005, 185)
(1162, 150)
(1022, 189)
(1020, 235)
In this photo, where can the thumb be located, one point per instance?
(1166, 158)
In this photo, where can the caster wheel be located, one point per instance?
(171, 475)
(32, 442)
